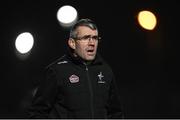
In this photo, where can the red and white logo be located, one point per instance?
(74, 79)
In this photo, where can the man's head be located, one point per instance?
(83, 39)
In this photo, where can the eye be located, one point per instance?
(86, 37)
(95, 37)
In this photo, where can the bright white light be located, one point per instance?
(66, 14)
(24, 42)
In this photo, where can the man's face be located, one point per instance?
(86, 45)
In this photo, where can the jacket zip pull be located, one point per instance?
(86, 68)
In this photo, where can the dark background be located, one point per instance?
(146, 63)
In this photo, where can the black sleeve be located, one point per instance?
(45, 96)
(114, 104)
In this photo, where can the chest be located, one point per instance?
(94, 80)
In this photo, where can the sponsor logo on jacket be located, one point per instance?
(74, 78)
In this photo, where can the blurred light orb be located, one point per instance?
(147, 20)
(67, 15)
(24, 42)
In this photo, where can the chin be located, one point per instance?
(90, 59)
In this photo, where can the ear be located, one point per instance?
(71, 43)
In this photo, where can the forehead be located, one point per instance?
(84, 30)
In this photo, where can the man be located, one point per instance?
(79, 84)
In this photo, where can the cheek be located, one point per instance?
(80, 48)
(96, 46)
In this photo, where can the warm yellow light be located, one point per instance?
(147, 20)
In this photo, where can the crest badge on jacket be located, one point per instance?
(100, 76)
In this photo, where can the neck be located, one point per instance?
(88, 62)
(84, 61)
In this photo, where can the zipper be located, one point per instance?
(91, 91)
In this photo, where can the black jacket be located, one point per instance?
(73, 89)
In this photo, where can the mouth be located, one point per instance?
(90, 51)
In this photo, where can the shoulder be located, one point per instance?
(58, 62)
(105, 65)
(104, 62)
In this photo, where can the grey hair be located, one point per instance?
(82, 22)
